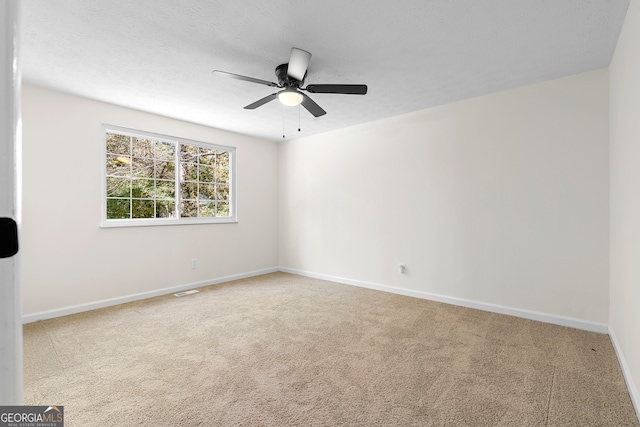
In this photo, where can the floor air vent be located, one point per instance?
(181, 294)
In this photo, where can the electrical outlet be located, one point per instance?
(403, 268)
(194, 263)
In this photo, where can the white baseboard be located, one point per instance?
(42, 315)
(634, 393)
(494, 308)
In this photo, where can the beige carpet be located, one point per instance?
(284, 350)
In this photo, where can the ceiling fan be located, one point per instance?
(291, 79)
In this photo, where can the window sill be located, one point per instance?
(117, 223)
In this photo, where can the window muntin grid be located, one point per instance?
(151, 178)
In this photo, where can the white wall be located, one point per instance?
(68, 260)
(625, 198)
(501, 199)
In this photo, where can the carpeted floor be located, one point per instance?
(284, 350)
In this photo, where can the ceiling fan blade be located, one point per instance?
(262, 101)
(245, 78)
(298, 63)
(312, 107)
(342, 89)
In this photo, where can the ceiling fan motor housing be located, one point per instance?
(283, 78)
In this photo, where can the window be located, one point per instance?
(152, 179)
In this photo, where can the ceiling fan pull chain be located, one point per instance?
(283, 121)
(298, 117)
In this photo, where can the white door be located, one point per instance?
(11, 388)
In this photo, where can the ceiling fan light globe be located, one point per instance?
(290, 98)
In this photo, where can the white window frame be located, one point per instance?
(137, 222)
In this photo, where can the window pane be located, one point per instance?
(118, 165)
(223, 159)
(165, 150)
(189, 209)
(207, 156)
(165, 170)
(118, 144)
(189, 172)
(188, 153)
(207, 210)
(165, 209)
(222, 209)
(118, 187)
(207, 192)
(165, 190)
(189, 190)
(142, 209)
(222, 192)
(222, 175)
(142, 188)
(117, 208)
(142, 167)
(143, 147)
(206, 174)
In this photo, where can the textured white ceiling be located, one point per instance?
(157, 55)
